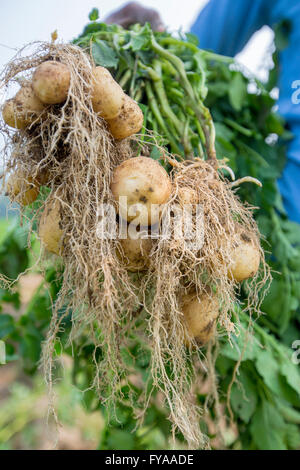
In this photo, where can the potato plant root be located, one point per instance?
(73, 146)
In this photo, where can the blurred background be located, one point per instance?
(32, 20)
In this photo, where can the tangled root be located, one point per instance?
(72, 145)
(179, 267)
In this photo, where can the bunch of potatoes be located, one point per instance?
(145, 183)
(146, 186)
(142, 180)
(50, 86)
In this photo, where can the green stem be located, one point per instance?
(202, 113)
(156, 112)
(168, 67)
(188, 150)
(204, 116)
(161, 93)
(200, 150)
(155, 75)
(200, 131)
(178, 64)
(176, 92)
(138, 94)
(132, 84)
(194, 48)
(238, 127)
(125, 78)
(179, 43)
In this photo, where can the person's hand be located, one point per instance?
(133, 13)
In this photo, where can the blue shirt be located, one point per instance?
(225, 26)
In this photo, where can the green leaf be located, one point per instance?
(249, 152)
(268, 368)
(7, 325)
(156, 153)
(292, 230)
(139, 40)
(288, 412)
(274, 303)
(244, 397)
(94, 14)
(30, 348)
(7, 227)
(291, 373)
(120, 440)
(192, 38)
(293, 436)
(218, 89)
(225, 148)
(13, 252)
(268, 428)
(237, 91)
(224, 132)
(275, 124)
(235, 350)
(10, 297)
(103, 54)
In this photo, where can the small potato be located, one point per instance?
(51, 82)
(23, 109)
(200, 317)
(107, 95)
(28, 101)
(140, 185)
(128, 122)
(50, 230)
(245, 257)
(134, 253)
(22, 189)
(12, 117)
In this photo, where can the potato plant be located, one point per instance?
(164, 73)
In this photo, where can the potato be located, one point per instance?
(107, 95)
(142, 183)
(12, 116)
(200, 316)
(23, 109)
(245, 257)
(28, 101)
(134, 253)
(51, 82)
(50, 230)
(22, 189)
(128, 122)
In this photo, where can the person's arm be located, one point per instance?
(225, 26)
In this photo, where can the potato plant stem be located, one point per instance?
(194, 101)
(156, 112)
(194, 48)
(125, 78)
